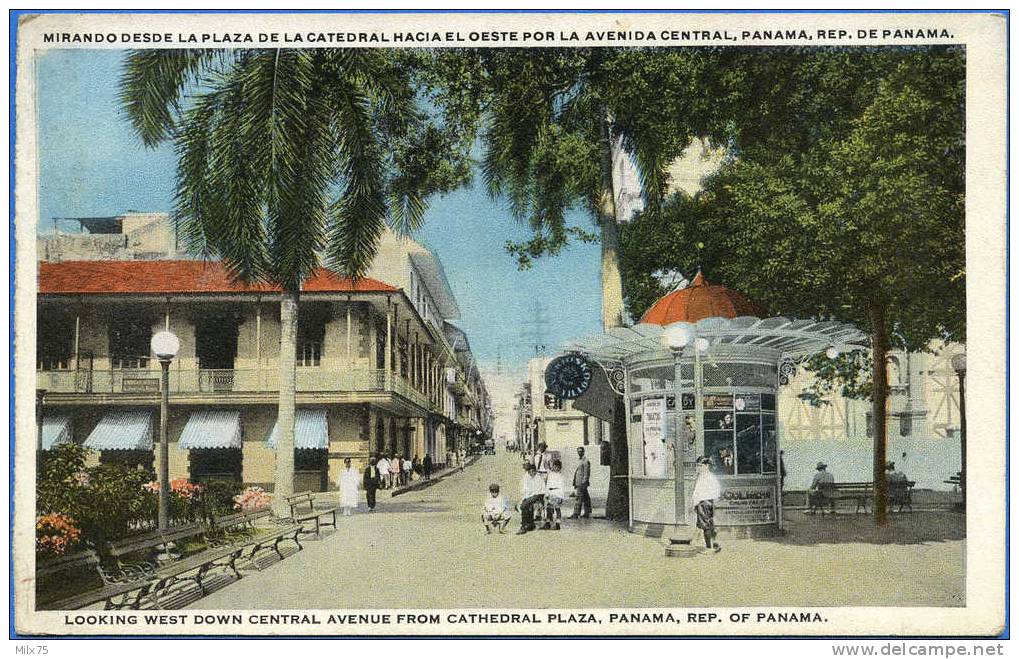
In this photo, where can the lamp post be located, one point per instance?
(676, 338)
(959, 366)
(164, 345)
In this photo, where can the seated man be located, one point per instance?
(532, 492)
(497, 510)
(898, 487)
(821, 491)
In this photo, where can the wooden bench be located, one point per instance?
(243, 530)
(302, 509)
(899, 493)
(87, 560)
(151, 579)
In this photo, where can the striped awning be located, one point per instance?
(310, 430)
(122, 430)
(211, 429)
(56, 429)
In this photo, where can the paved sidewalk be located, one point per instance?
(429, 549)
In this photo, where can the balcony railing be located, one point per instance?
(133, 381)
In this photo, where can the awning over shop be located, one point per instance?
(310, 430)
(211, 429)
(56, 429)
(122, 430)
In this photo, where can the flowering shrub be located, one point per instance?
(252, 499)
(185, 498)
(55, 534)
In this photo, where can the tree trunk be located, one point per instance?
(879, 347)
(617, 504)
(284, 481)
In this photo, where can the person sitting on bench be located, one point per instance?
(821, 489)
(898, 487)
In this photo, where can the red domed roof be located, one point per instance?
(698, 301)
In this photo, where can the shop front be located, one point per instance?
(699, 377)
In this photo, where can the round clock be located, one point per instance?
(568, 376)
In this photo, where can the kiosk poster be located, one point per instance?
(285, 286)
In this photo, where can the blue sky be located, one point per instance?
(92, 164)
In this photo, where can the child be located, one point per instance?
(497, 510)
(706, 489)
(556, 492)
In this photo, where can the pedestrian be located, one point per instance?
(542, 460)
(416, 465)
(555, 492)
(427, 466)
(383, 466)
(581, 483)
(372, 480)
(532, 491)
(705, 490)
(349, 479)
(394, 470)
(408, 471)
(497, 511)
(821, 489)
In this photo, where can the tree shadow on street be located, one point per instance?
(920, 527)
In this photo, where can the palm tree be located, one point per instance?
(287, 160)
(553, 118)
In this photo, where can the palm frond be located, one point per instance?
(151, 86)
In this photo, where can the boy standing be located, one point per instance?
(497, 510)
(705, 490)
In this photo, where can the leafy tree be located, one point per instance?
(288, 159)
(550, 119)
(859, 219)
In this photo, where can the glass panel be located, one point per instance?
(718, 447)
(658, 378)
(739, 375)
(748, 443)
(718, 421)
(768, 402)
(769, 444)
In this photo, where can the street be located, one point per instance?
(428, 549)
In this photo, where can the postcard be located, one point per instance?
(510, 324)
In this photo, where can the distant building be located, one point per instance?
(131, 236)
(375, 370)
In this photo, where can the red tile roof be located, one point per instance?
(162, 277)
(700, 300)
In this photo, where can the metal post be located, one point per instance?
(40, 398)
(962, 434)
(164, 448)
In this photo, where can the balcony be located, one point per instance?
(226, 381)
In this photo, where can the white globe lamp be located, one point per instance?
(165, 345)
(676, 337)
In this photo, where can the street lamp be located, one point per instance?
(165, 346)
(959, 366)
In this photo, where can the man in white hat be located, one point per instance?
(821, 489)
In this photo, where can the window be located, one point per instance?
(311, 328)
(55, 343)
(739, 433)
(130, 335)
(309, 353)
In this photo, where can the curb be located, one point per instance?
(422, 483)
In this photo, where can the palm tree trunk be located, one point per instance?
(879, 347)
(617, 503)
(284, 478)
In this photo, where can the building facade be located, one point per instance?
(372, 363)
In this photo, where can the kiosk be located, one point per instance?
(699, 375)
